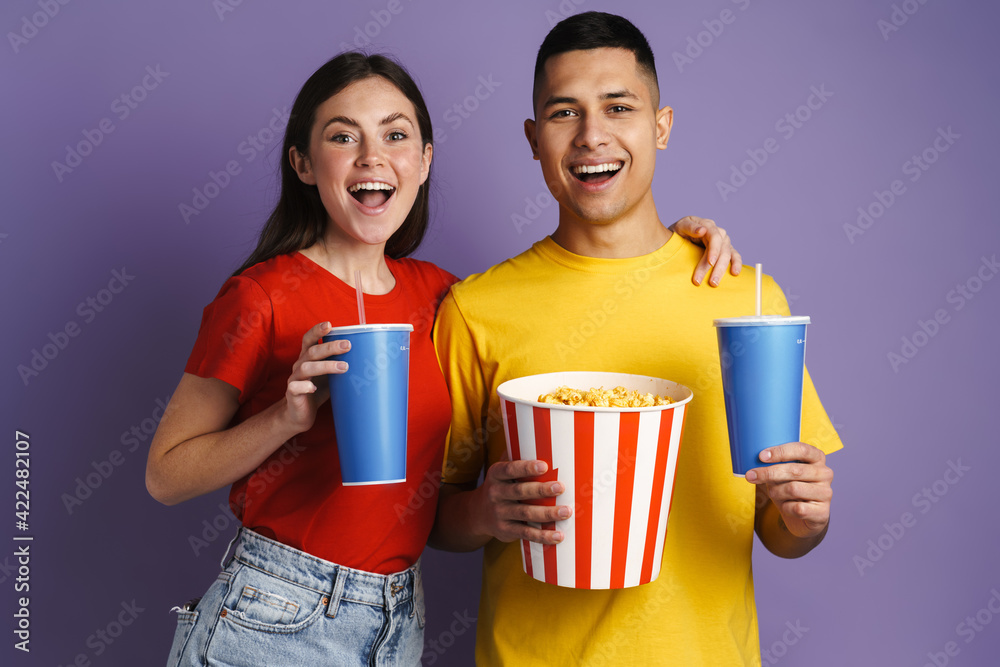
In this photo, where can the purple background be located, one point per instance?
(61, 239)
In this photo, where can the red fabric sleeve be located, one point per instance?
(236, 337)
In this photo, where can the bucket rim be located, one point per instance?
(503, 390)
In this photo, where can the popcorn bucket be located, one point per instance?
(617, 466)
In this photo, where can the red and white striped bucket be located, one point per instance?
(617, 466)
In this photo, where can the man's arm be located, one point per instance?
(468, 516)
(793, 499)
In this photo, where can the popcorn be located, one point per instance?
(619, 397)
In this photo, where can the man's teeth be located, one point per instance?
(597, 168)
(370, 185)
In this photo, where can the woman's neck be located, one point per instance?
(341, 261)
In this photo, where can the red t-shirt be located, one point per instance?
(250, 337)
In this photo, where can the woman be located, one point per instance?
(322, 573)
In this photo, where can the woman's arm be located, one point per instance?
(194, 451)
(719, 250)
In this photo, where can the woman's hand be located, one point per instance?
(302, 395)
(719, 251)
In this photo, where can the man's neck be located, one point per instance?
(635, 233)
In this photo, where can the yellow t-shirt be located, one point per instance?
(549, 310)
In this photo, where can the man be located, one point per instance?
(610, 290)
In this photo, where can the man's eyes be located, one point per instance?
(568, 113)
(563, 113)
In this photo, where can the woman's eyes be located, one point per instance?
(395, 135)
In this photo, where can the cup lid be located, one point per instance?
(359, 328)
(760, 320)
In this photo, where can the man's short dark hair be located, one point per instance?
(596, 30)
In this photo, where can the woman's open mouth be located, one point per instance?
(371, 194)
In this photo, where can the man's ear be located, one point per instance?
(664, 121)
(302, 166)
(529, 134)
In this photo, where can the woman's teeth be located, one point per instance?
(370, 185)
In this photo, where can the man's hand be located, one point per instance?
(793, 498)
(499, 510)
(719, 251)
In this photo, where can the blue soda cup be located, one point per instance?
(762, 359)
(369, 402)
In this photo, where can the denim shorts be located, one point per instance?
(274, 605)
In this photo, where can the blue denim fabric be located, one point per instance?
(273, 605)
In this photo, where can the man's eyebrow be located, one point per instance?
(612, 95)
(618, 94)
(553, 101)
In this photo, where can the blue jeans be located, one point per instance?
(274, 605)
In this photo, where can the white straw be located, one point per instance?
(361, 299)
(759, 272)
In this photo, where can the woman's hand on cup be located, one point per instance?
(302, 395)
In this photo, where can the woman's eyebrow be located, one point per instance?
(341, 119)
(393, 117)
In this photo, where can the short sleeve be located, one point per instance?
(236, 337)
(816, 429)
(459, 359)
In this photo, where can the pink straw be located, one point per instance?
(758, 272)
(361, 298)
